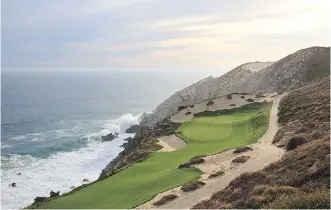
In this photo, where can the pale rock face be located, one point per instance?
(256, 77)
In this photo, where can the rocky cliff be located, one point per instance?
(290, 72)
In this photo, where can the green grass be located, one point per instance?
(142, 181)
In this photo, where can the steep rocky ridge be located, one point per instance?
(292, 71)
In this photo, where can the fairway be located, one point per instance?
(139, 183)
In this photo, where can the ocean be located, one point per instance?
(52, 123)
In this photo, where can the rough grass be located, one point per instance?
(144, 180)
(319, 199)
(300, 178)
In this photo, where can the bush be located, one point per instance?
(241, 149)
(259, 96)
(165, 199)
(319, 199)
(187, 113)
(229, 96)
(191, 162)
(181, 108)
(191, 186)
(250, 100)
(216, 174)
(209, 103)
(242, 97)
(241, 159)
(232, 105)
(192, 106)
(294, 142)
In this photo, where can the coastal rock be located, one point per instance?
(85, 180)
(13, 184)
(19, 173)
(132, 129)
(109, 137)
(54, 194)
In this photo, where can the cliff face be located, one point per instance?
(202, 90)
(292, 71)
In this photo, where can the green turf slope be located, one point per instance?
(141, 182)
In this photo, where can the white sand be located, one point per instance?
(170, 143)
(219, 103)
(263, 154)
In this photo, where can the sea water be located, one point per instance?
(52, 123)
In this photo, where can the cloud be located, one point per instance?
(157, 34)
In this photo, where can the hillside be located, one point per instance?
(301, 179)
(290, 72)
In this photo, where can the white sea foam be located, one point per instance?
(126, 121)
(40, 176)
(18, 137)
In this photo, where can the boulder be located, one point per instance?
(19, 173)
(109, 137)
(54, 194)
(132, 129)
(13, 184)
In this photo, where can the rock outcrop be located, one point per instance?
(109, 137)
(132, 129)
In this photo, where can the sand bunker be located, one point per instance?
(219, 103)
(170, 143)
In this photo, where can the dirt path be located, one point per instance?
(263, 154)
(170, 143)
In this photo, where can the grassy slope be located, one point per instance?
(142, 181)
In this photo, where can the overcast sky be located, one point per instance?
(157, 34)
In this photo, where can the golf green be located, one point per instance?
(207, 134)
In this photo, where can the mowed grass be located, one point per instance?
(142, 181)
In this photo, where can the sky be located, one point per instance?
(157, 34)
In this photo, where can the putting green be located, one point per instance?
(139, 183)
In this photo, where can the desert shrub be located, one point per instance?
(209, 103)
(319, 199)
(242, 97)
(192, 106)
(165, 199)
(241, 159)
(232, 105)
(187, 113)
(250, 100)
(294, 142)
(216, 174)
(241, 149)
(259, 96)
(192, 161)
(229, 96)
(181, 108)
(191, 186)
